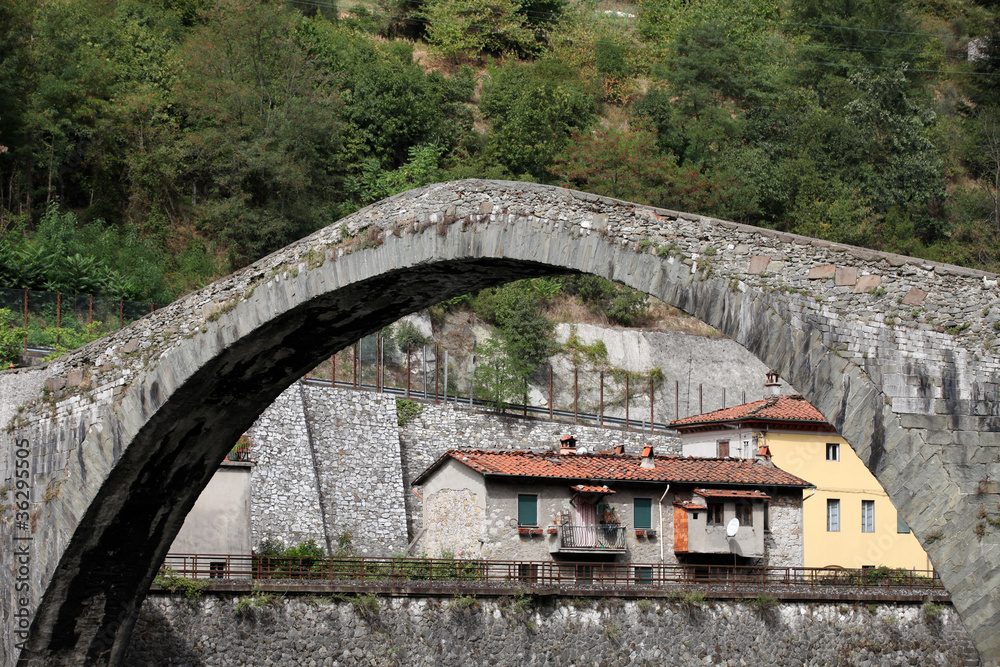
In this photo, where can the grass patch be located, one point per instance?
(170, 581)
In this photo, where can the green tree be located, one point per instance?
(390, 105)
(16, 80)
(533, 110)
(261, 141)
(902, 169)
(625, 163)
(466, 28)
(500, 377)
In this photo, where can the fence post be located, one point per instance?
(90, 310)
(602, 399)
(701, 409)
(626, 400)
(446, 377)
(651, 428)
(355, 364)
(550, 391)
(472, 376)
(121, 313)
(677, 399)
(425, 372)
(408, 369)
(437, 366)
(25, 322)
(58, 315)
(576, 394)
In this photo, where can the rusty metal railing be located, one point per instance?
(592, 537)
(412, 572)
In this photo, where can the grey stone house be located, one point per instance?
(610, 507)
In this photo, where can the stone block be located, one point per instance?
(132, 346)
(846, 275)
(867, 284)
(55, 383)
(914, 297)
(937, 422)
(822, 272)
(758, 264)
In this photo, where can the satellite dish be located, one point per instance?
(732, 527)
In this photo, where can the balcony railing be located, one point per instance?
(428, 573)
(610, 537)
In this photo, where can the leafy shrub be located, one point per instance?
(620, 304)
(11, 337)
(169, 580)
(407, 411)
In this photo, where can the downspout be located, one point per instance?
(659, 506)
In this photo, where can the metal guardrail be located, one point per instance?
(498, 574)
(592, 419)
(592, 537)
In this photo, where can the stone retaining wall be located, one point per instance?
(442, 632)
(332, 462)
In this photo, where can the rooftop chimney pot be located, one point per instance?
(772, 386)
(647, 458)
(567, 445)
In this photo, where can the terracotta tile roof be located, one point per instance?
(732, 493)
(774, 408)
(690, 506)
(612, 468)
(580, 488)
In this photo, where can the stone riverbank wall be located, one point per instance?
(332, 462)
(445, 632)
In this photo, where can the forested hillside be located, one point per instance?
(148, 146)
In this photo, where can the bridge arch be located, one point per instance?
(123, 434)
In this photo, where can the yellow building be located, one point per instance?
(848, 520)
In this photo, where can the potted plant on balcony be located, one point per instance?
(241, 450)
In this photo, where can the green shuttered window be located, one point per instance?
(527, 509)
(643, 513)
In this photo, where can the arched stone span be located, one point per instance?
(122, 435)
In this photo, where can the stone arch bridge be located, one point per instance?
(106, 449)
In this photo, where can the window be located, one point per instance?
(767, 517)
(715, 514)
(643, 515)
(744, 512)
(644, 575)
(527, 573)
(867, 516)
(833, 515)
(832, 451)
(584, 574)
(723, 449)
(901, 526)
(527, 509)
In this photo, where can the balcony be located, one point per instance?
(606, 538)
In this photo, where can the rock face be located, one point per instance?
(451, 632)
(699, 374)
(115, 462)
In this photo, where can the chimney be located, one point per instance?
(772, 386)
(567, 445)
(619, 450)
(647, 458)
